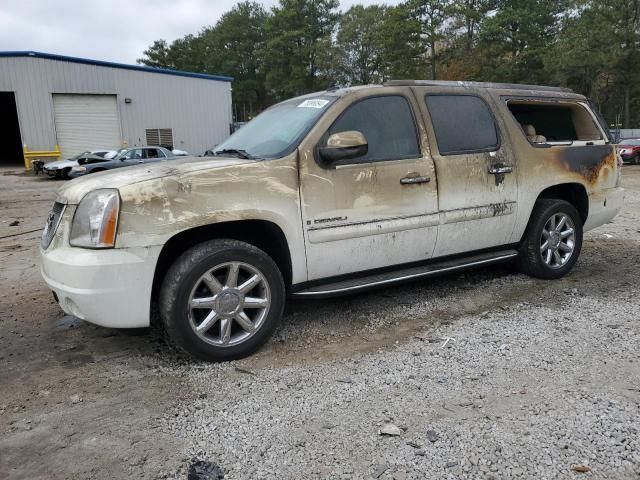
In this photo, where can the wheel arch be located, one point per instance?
(574, 193)
(263, 234)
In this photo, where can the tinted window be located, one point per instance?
(151, 153)
(462, 124)
(132, 155)
(388, 125)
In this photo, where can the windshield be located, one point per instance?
(277, 130)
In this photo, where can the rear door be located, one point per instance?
(376, 210)
(477, 186)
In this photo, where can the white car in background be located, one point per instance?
(61, 168)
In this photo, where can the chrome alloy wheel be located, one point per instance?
(557, 242)
(229, 304)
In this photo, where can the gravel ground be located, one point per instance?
(488, 374)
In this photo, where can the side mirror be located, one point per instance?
(344, 145)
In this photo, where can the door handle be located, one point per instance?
(500, 168)
(414, 180)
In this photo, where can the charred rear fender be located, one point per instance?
(263, 234)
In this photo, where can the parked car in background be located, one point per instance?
(333, 193)
(629, 149)
(126, 158)
(62, 168)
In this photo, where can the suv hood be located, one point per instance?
(73, 191)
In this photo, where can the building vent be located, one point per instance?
(162, 137)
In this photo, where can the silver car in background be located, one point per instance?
(61, 168)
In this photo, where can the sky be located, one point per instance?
(112, 30)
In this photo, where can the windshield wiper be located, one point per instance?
(235, 151)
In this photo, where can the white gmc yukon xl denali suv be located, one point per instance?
(333, 193)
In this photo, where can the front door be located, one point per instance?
(132, 157)
(376, 210)
(477, 187)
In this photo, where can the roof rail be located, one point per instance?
(461, 84)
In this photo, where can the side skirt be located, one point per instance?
(366, 281)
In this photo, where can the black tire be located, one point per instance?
(530, 259)
(635, 160)
(185, 274)
(65, 173)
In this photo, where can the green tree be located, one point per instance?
(360, 45)
(401, 45)
(602, 63)
(466, 16)
(431, 16)
(295, 32)
(157, 55)
(515, 40)
(235, 47)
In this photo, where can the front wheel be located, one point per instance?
(552, 241)
(221, 300)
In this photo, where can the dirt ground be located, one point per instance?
(80, 401)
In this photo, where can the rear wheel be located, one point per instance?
(552, 241)
(221, 300)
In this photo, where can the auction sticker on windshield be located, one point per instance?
(313, 103)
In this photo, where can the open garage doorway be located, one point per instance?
(10, 139)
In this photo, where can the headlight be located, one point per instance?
(96, 220)
(79, 169)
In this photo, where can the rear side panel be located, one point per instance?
(595, 167)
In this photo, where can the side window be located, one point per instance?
(462, 124)
(151, 153)
(554, 122)
(388, 125)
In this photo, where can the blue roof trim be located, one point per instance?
(124, 66)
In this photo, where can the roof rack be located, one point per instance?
(461, 84)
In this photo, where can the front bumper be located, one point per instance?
(110, 287)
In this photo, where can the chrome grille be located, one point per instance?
(50, 227)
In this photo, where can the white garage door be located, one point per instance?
(86, 122)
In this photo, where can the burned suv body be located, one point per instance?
(333, 193)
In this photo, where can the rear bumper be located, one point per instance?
(111, 288)
(604, 206)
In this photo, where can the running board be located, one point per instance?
(353, 285)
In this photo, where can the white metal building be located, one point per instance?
(77, 104)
